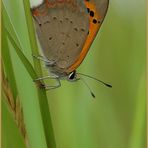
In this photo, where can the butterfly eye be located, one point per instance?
(72, 76)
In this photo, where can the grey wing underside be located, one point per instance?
(62, 33)
(101, 6)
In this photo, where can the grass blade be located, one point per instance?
(44, 107)
(24, 60)
(16, 44)
(8, 64)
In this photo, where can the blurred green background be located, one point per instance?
(117, 117)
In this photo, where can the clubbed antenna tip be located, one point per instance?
(93, 95)
(108, 85)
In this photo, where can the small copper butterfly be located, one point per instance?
(66, 30)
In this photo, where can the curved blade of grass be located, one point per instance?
(9, 26)
(44, 107)
(24, 60)
(16, 44)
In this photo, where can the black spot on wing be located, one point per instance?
(91, 13)
(94, 21)
(88, 10)
(50, 38)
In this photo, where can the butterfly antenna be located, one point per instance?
(106, 84)
(88, 87)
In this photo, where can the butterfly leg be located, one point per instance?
(39, 57)
(48, 87)
(47, 62)
(46, 77)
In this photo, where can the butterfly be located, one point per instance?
(66, 30)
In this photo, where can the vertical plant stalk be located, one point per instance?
(42, 97)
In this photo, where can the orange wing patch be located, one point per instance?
(95, 23)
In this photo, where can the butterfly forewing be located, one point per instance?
(101, 6)
(66, 30)
(62, 31)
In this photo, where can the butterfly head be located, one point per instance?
(72, 76)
